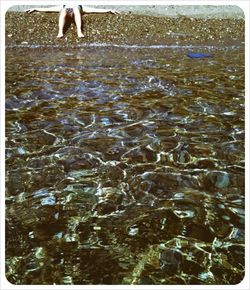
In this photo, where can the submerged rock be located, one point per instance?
(215, 180)
(170, 261)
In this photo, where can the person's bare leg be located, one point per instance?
(78, 21)
(62, 21)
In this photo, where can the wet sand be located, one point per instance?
(129, 28)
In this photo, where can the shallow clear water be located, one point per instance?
(124, 165)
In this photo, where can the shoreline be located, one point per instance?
(194, 11)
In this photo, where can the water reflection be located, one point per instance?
(124, 166)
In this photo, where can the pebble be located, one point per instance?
(39, 254)
(226, 218)
(21, 151)
(222, 180)
(133, 231)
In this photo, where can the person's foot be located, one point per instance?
(80, 34)
(60, 35)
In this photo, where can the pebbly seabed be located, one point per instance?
(123, 165)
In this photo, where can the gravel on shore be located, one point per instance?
(126, 28)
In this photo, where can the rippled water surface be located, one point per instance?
(124, 165)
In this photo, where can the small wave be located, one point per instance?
(123, 46)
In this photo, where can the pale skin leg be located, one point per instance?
(77, 12)
(62, 21)
(78, 20)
